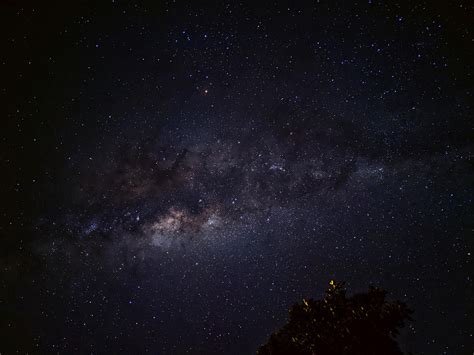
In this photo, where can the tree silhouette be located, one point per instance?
(363, 324)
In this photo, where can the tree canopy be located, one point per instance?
(365, 323)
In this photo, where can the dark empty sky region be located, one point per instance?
(175, 175)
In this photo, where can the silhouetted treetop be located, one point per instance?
(362, 324)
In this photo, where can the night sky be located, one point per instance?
(176, 175)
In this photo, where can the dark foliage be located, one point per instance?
(362, 324)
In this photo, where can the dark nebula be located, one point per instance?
(177, 175)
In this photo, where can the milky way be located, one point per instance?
(178, 177)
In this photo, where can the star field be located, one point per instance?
(176, 176)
